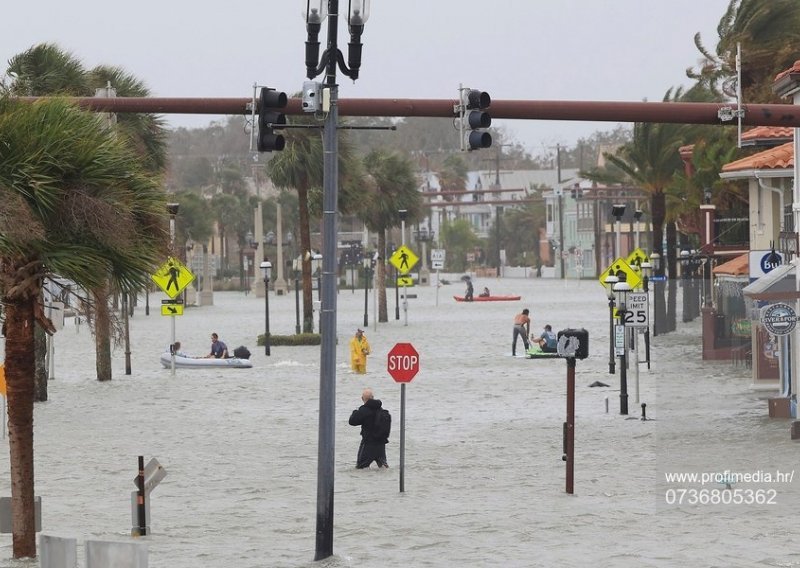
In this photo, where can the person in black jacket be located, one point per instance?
(371, 449)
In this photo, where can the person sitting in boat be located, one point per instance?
(485, 293)
(175, 349)
(547, 341)
(218, 348)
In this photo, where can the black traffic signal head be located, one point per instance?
(474, 117)
(268, 118)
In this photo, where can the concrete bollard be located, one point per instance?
(104, 554)
(58, 552)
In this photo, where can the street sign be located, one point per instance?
(403, 259)
(636, 310)
(437, 264)
(620, 265)
(172, 277)
(403, 362)
(405, 281)
(172, 310)
(636, 258)
(438, 255)
(619, 339)
(779, 319)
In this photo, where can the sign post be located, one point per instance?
(172, 277)
(403, 366)
(437, 262)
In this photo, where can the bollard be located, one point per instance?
(644, 411)
(606, 400)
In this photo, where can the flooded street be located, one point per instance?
(484, 476)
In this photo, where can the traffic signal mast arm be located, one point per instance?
(678, 113)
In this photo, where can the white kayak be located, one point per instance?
(189, 362)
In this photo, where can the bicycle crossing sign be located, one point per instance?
(172, 277)
(403, 259)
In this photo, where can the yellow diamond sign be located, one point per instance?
(172, 277)
(621, 266)
(403, 259)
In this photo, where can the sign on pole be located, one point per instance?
(172, 277)
(779, 319)
(621, 266)
(636, 312)
(403, 259)
(403, 362)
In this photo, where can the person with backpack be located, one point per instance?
(376, 425)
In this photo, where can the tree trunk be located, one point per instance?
(305, 247)
(672, 266)
(383, 315)
(42, 360)
(20, 370)
(658, 204)
(102, 333)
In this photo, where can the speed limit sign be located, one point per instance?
(637, 313)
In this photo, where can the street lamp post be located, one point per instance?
(266, 270)
(172, 209)
(646, 268)
(357, 16)
(609, 281)
(618, 210)
(367, 263)
(297, 297)
(622, 288)
(656, 258)
(403, 215)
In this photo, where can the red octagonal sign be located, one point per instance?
(403, 362)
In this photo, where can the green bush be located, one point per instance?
(296, 339)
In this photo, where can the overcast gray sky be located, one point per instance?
(616, 50)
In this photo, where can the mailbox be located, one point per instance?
(575, 343)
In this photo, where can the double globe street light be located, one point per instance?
(357, 15)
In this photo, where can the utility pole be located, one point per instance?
(560, 211)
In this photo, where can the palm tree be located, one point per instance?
(394, 188)
(299, 167)
(45, 69)
(76, 202)
(769, 33)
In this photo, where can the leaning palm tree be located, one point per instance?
(768, 32)
(76, 202)
(394, 188)
(45, 69)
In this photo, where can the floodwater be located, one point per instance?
(484, 476)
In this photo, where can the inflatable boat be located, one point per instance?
(191, 362)
(489, 298)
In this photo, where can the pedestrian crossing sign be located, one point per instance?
(621, 266)
(172, 277)
(403, 259)
(636, 258)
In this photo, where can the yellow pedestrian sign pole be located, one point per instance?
(172, 277)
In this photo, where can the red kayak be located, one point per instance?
(489, 298)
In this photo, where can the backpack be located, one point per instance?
(382, 426)
(241, 352)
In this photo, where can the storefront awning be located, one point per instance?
(778, 284)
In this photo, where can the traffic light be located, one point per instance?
(473, 117)
(268, 117)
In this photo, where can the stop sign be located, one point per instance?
(403, 362)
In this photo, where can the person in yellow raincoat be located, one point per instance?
(359, 349)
